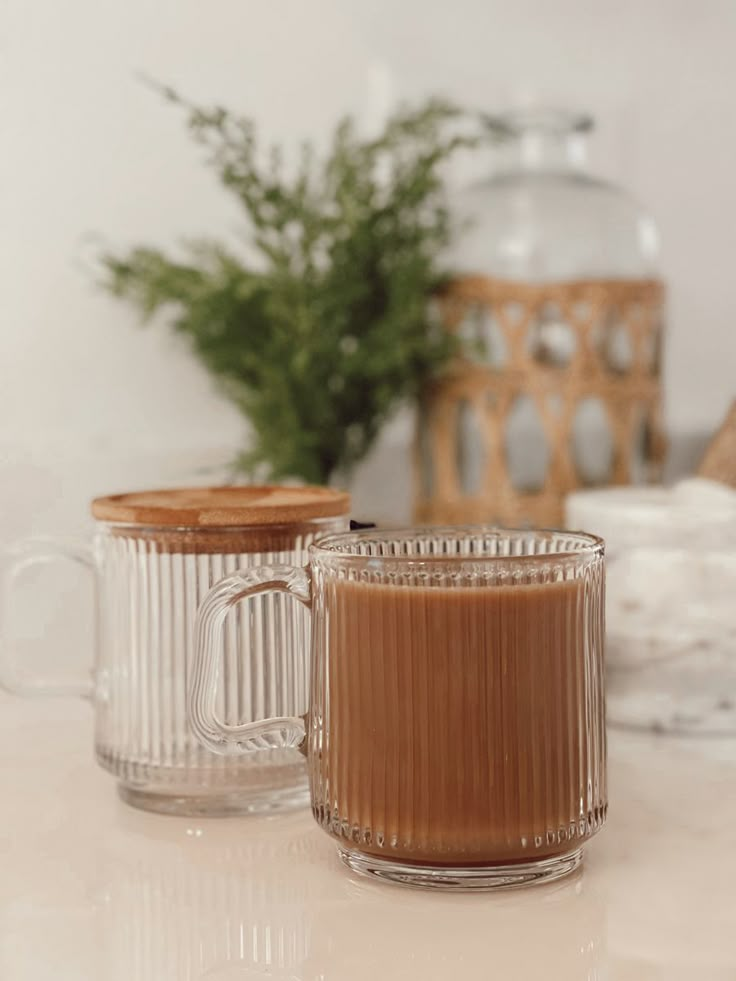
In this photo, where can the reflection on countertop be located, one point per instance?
(92, 889)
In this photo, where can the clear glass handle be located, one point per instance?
(211, 731)
(22, 555)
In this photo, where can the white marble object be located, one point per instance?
(671, 615)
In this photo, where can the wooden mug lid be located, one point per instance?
(219, 507)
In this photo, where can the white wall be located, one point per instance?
(88, 151)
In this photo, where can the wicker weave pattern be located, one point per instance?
(596, 321)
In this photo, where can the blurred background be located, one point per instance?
(91, 403)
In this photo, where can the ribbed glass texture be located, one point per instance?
(457, 695)
(174, 912)
(150, 586)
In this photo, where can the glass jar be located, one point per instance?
(540, 217)
(153, 558)
(557, 298)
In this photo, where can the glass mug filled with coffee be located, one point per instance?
(154, 557)
(455, 733)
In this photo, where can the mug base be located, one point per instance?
(463, 877)
(228, 804)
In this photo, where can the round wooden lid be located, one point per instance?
(218, 507)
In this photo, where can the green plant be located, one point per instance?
(325, 328)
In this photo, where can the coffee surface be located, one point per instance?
(462, 725)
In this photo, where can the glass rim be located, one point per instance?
(327, 548)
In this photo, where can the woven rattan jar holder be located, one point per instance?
(631, 398)
(224, 520)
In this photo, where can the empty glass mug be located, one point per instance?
(154, 557)
(455, 732)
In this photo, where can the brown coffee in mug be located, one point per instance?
(455, 734)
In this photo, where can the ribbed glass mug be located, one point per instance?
(455, 734)
(154, 557)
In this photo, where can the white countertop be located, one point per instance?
(91, 889)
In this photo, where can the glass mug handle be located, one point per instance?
(211, 731)
(22, 555)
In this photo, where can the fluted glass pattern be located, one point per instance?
(457, 695)
(150, 586)
(180, 913)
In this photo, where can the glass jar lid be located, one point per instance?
(221, 507)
